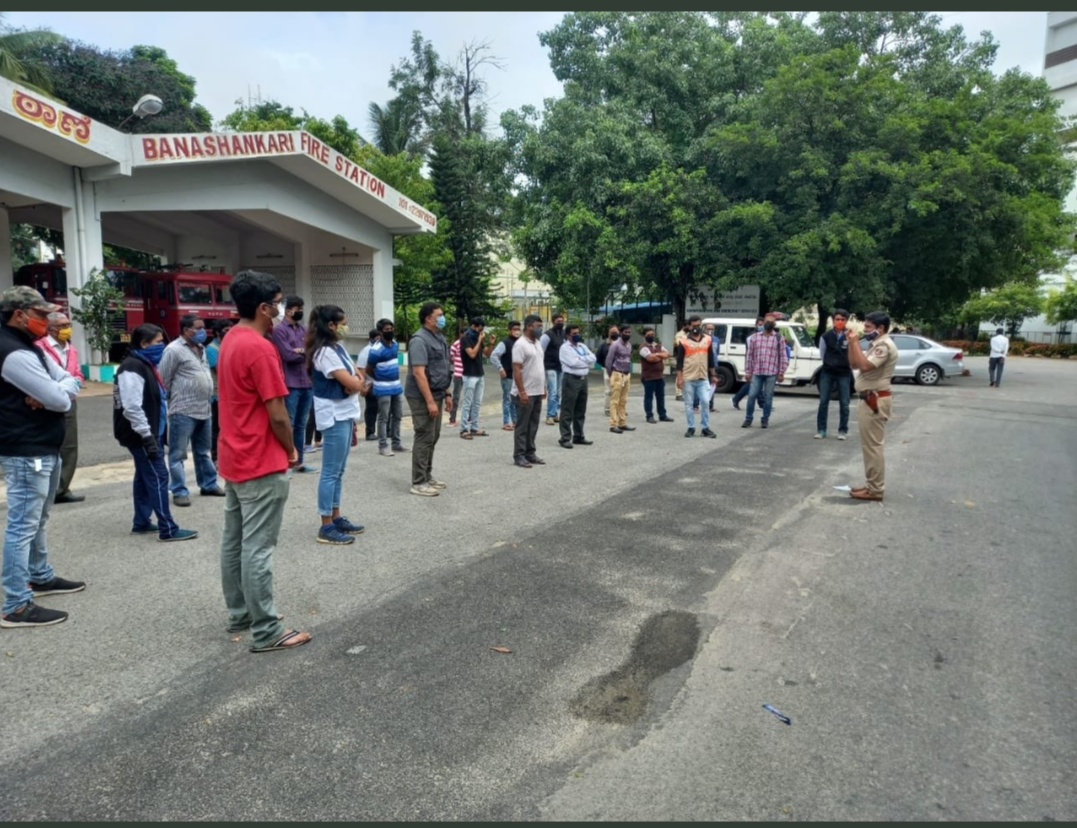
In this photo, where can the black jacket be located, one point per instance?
(151, 403)
(25, 431)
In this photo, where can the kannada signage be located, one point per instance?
(170, 149)
(53, 117)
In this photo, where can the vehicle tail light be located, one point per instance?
(959, 355)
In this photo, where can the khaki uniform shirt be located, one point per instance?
(883, 355)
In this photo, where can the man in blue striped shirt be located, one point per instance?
(383, 365)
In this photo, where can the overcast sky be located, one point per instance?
(338, 62)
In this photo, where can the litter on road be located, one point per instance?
(771, 708)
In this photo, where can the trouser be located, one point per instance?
(299, 403)
(336, 446)
(994, 369)
(872, 431)
(390, 412)
(216, 434)
(527, 426)
(313, 435)
(31, 489)
(469, 406)
(69, 452)
(253, 511)
(508, 402)
(695, 394)
(573, 407)
(427, 431)
(826, 382)
(370, 417)
(149, 490)
(457, 386)
(619, 398)
(762, 390)
(742, 392)
(605, 393)
(553, 391)
(181, 431)
(654, 391)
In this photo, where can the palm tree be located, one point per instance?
(15, 45)
(398, 127)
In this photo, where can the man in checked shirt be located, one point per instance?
(765, 362)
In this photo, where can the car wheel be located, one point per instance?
(726, 380)
(928, 375)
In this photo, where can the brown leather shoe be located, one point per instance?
(864, 494)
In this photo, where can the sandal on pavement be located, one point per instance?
(465, 435)
(508, 427)
(246, 626)
(289, 641)
(480, 433)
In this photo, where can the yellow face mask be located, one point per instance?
(64, 334)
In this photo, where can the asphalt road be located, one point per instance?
(654, 592)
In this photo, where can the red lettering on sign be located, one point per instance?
(248, 145)
(260, 143)
(164, 149)
(324, 157)
(286, 142)
(237, 145)
(354, 174)
(181, 148)
(196, 147)
(377, 187)
(149, 149)
(314, 146)
(341, 162)
(271, 143)
(304, 142)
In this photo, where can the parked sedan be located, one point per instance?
(924, 360)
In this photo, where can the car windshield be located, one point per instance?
(800, 333)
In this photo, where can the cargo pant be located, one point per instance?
(872, 431)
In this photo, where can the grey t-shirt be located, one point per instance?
(529, 355)
(430, 350)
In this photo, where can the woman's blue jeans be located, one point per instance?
(336, 446)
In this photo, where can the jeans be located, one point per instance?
(654, 390)
(469, 406)
(742, 392)
(199, 433)
(336, 446)
(427, 432)
(761, 385)
(252, 516)
(553, 391)
(606, 391)
(695, 393)
(217, 431)
(994, 369)
(31, 488)
(573, 407)
(390, 412)
(523, 440)
(150, 493)
(457, 397)
(844, 383)
(508, 402)
(299, 402)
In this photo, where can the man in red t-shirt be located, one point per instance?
(255, 451)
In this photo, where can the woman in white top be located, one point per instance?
(337, 387)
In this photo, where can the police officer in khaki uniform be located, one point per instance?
(876, 368)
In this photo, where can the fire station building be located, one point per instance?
(279, 202)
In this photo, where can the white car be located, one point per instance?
(924, 360)
(804, 359)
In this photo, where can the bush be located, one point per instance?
(1065, 350)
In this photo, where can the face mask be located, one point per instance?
(696, 331)
(614, 334)
(63, 335)
(576, 337)
(871, 336)
(37, 328)
(441, 322)
(199, 337)
(839, 324)
(537, 330)
(388, 335)
(626, 337)
(152, 353)
(297, 316)
(768, 326)
(342, 331)
(649, 338)
(759, 327)
(558, 325)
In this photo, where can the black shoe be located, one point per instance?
(32, 615)
(564, 444)
(690, 433)
(68, 497)
(580, 441)
(522, 463)
(616, 430)
(746, 424)
(763, 424)
(57, 586)
(181, 500)
(218, 492)
(538, 461)
(652, 420)
(628, 428)
(708, 433)
(665, 419)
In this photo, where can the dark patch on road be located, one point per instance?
(665, 642)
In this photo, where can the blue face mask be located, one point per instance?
(576, 337)
(199, 336)
(441, 322)
(151, 353)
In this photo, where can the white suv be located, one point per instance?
(804, 359)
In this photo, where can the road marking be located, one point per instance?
(356, 650)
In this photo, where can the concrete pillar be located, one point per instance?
(303, 285)
(382, 260)
(83, 251)
(7, 275)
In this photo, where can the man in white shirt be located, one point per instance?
(1000, 349)
(576, 363)
(529, 378)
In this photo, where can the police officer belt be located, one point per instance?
(864, 394)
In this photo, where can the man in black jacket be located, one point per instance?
(834, 350)
(34, 394)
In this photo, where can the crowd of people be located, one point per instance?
(253, 399)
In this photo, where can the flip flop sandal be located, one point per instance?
(480, 434)
(465, 435)
(247, 626)
(508, 427)
(282, 643)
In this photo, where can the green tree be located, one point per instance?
(1009, 305)
(1061, 305)
(18, 48)
(101, 303)
(398, 127)
(272, 116)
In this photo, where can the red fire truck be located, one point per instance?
(159, 296)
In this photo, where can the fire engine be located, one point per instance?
(160, 296)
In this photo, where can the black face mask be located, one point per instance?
(768, 326)
(388, 335)
(614, 334)
(649, 338)
(626, 337)
(558, 326)
(297, 316)
(696, 331)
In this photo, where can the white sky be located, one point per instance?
(334, 63)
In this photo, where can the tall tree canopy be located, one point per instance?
(18, 56)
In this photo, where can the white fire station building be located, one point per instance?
(279, 202)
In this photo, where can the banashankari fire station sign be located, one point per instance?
(177, 149)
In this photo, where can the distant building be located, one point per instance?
(518, 285)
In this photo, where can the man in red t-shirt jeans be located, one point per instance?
(255, 451)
